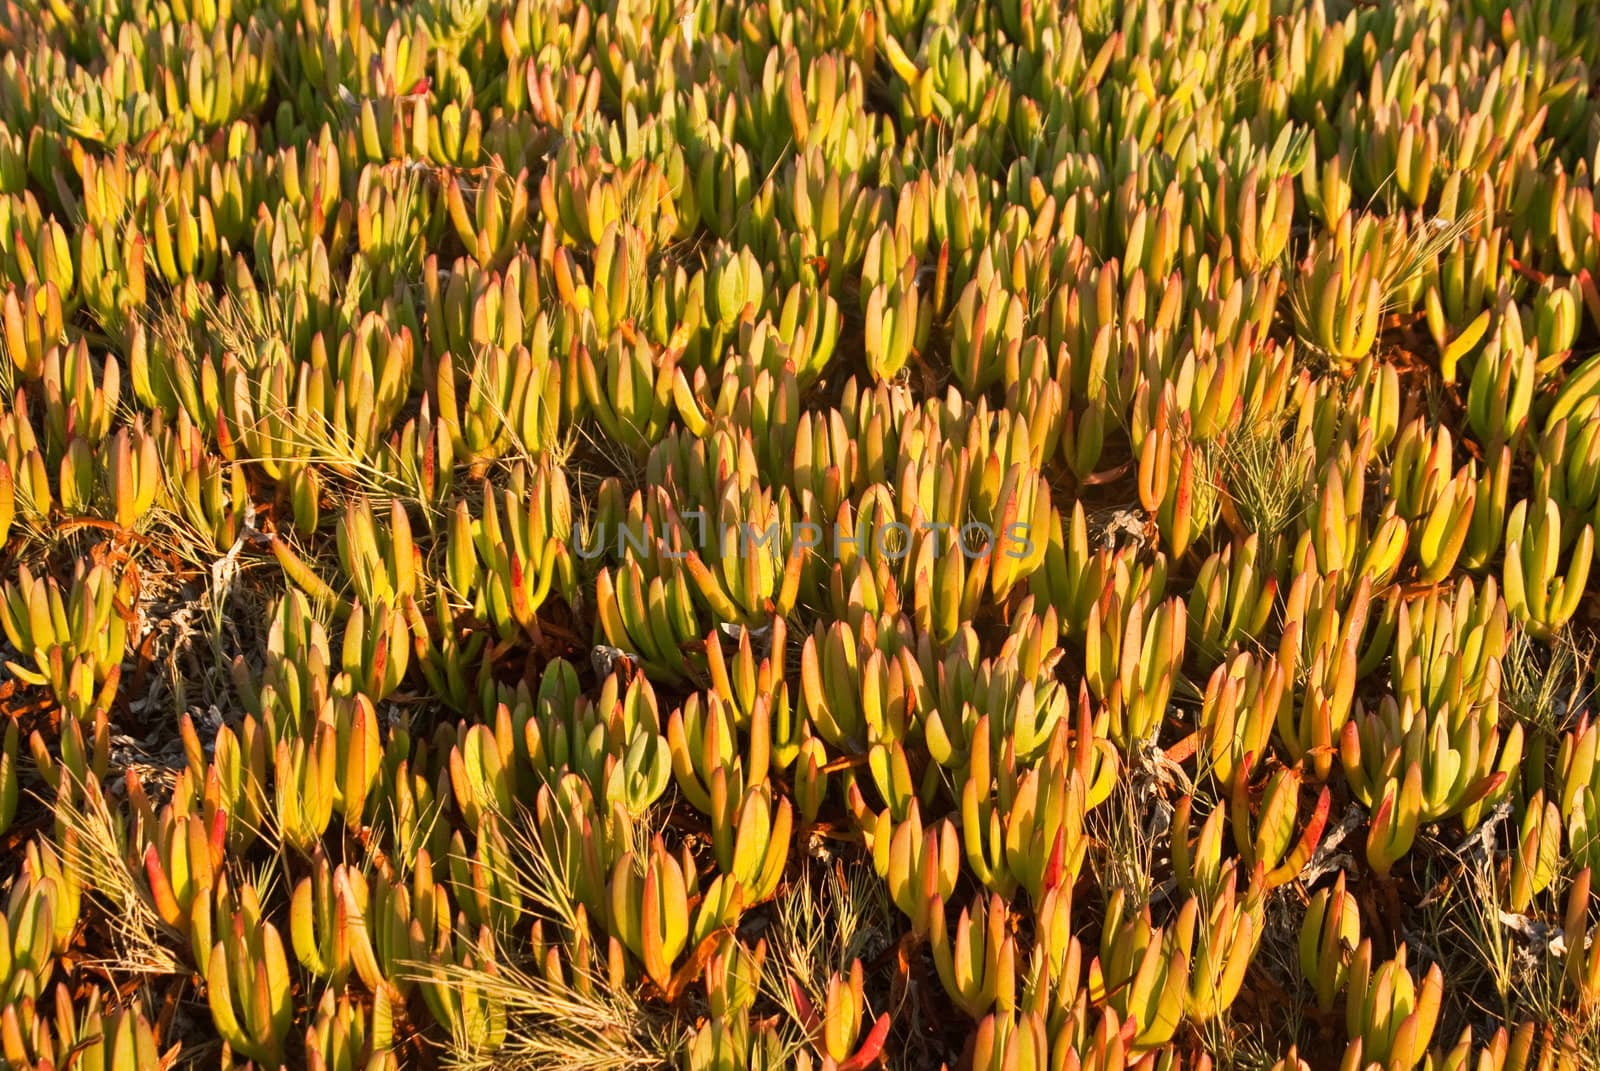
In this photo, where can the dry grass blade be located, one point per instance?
(1130, 827)
(549, 1025)
(554, 1027)
(1546, 686)
(93, 852)
(830, 915)
(1420, 244)
(1265, 476)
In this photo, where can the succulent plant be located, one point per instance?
(182, 858)
(1329, 937)
(1582, 973)
(471, 1011)
(1536, 853)
(1220, 945)
(345, 1035)
(247, 984)
(484, 880)
(776, 438)
(75, 639)
(41, 913)
(1240, 706)
(98, 1038)
(319, 921)
(835, 1031)
(1387, 1013)
(1273, 845)
(1460, 760)
(650, 915)
(9, 783)
(1341, 293)
(1143, 970)
(1133, 653)
(508, 560)
(977, 963)
(863, 685)
(919, 864)
(305, 773)
(1231, 598)
(1538, 593)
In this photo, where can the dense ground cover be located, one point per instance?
(877, 533)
